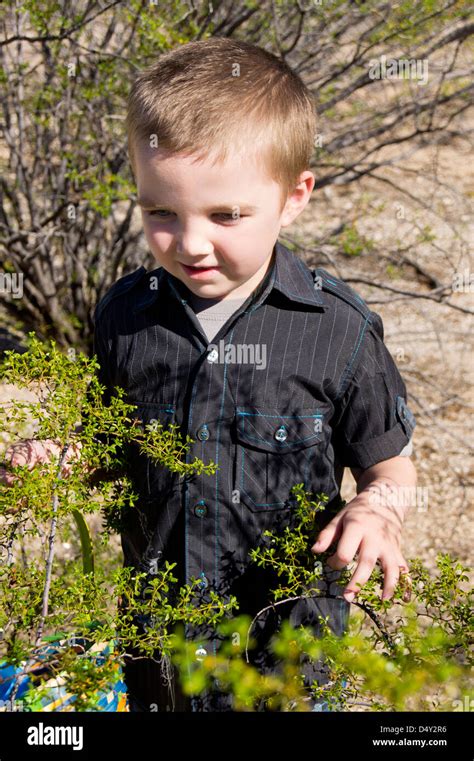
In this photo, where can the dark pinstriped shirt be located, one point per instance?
(295, 386)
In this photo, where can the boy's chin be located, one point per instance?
(211, 290)
(219, 291)
(220, 288)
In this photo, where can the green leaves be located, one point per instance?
(395, 656)
(165, 446)
(288, 553)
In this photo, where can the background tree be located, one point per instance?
(67, 198)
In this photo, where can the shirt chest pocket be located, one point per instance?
(274, 452)
(151, 481)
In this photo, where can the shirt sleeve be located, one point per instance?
(408, 450)
(372, 420)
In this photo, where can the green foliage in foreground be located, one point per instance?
(398, 654)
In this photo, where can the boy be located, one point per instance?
(279, 375)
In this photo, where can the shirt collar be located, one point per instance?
(293, 278)
(288, 275)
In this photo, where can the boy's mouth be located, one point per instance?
(198, 272)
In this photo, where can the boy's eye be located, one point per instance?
(161, 213)
(226, 216)
(222, 216)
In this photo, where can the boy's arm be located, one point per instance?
(370, 524)
(396, 468)
(392, 481)
(372, 425)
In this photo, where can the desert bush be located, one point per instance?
(78, 618)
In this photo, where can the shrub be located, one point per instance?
(61, 626)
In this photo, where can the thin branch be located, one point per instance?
(62, 35)
(49, 570)
(386, 636)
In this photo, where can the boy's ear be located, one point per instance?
(298, 198)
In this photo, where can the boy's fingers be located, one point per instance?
(397, 573)
(328, 535)
(404, 579)
(15, 455)
(31, 452)
(26, 453)
(346, 549)
(365, 566)
(391, 574)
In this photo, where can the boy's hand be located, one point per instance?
(32, 451)
(372, 529)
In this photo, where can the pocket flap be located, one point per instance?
(269, 430)
(151, 412)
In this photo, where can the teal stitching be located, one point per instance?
(262, 414)
(349, 295)
(217, 577)
(354, 353)
(285, 417)
(315, 297)
(282, 443)
(253, 414)
(186, 505)
(306, 299)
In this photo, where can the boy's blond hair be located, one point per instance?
(220, 96)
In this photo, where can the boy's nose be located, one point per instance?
(191, 247)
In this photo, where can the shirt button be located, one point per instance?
(212, 356)
(281, 434)
(200, 653)
(203, 583)
(203, 433)
(200, 509)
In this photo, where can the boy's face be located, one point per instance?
(213, 227)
